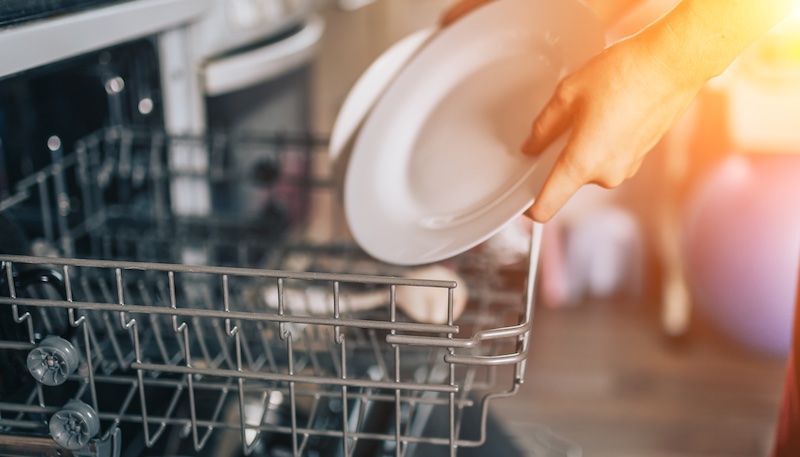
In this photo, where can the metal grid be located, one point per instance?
(126, 356)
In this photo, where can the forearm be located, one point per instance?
(698, 39)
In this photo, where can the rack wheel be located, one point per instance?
(74, 425)
(53, 361)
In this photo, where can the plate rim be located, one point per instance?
(477, 19)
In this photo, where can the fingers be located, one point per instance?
(548, 126)
(460, 10)
(576, 166)
(565, 179)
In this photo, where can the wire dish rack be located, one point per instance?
(118, 337)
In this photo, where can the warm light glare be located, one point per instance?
(782, 45)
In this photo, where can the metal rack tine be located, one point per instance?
(155, 330)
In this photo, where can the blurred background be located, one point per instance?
(668, 301)
(665, 306)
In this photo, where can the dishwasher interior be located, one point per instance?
(136, 323)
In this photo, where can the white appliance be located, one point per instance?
(241, 55)
(236, 45)
(237, 65)
(231, 24)
(44, 41)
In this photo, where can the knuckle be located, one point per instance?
(565, 91)
(539, 129)
(632, 172)
(577, 169)
(610, 181)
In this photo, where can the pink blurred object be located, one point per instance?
(591, 249)
(603, 257)
(743, 247)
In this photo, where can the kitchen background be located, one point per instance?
(613, 374)
(633, 351)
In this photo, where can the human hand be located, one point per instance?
(459, 10)
(608, 11)
(618, 105)
(615, 108)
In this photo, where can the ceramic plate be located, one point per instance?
(366, 91)
(436, 167)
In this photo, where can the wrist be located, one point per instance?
(698, 39)
(691, 50)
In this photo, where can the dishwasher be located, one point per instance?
(128, 328)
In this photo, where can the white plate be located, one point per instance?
(435, 169)
(368, 89)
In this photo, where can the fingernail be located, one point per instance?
(539, 214)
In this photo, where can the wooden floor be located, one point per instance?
(602, 376)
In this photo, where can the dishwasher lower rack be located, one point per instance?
(118, 347)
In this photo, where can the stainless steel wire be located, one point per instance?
(172, 349)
